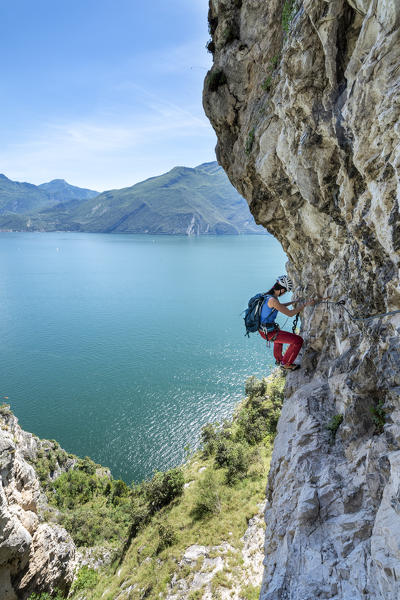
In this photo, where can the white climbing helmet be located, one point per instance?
(285, 282)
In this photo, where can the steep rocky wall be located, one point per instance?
(35, 556)
(304, 98)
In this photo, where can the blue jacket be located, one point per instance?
(268, 315)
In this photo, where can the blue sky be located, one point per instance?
(102, 93)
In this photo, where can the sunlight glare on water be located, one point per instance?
(121, 347)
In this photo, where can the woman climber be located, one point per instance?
(270, 331)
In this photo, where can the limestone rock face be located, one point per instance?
(304, 98)
(34, 556)
(205, 562)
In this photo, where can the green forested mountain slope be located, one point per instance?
(183, 201)
(61, 191)
(20, 198)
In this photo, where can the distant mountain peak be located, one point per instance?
(64, 191)
(180, 169)
(184, 201)
(208, 165)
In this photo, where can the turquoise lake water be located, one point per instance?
(121, 347)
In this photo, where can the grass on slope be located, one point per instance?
(148, 568)
(225, 481)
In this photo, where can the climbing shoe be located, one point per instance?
(292, 367)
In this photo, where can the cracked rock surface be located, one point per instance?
(34, 556)
(306, 109)
(206, 562)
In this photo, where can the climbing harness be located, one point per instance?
(276, 329)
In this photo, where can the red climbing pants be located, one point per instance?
(284, 337)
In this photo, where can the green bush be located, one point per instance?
(255, 420)
(288, 12)
(209, 437)
(118, 491)
(275, 390)
(195, 595)
(334, 425)
(258, 416)
(212, 22)
(378, 416)
(253, 426)
(270, 410)
(266, 84)
(74, 488)
(223, 452)
(52, 461)
(250, 141)
(238, 464)
(208, 500)
(93, 508)
(139, 514)
(86, 579)
(231, 33)
(235, 456)
(61, 456)
(42, 470)
(250, 592)
(216, 79)
(254, 387)
(166, 537)
(48, 458)
(163, 488)
(87, 465)
(57, 595)
(210, 47)
(273, 62)
(97, 522)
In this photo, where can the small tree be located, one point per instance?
(209, 437)
(208, 500)
(167, 536)
(163, 488)
(238, 465)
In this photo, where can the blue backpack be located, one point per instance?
(252, 314)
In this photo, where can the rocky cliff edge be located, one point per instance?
(35, 556)
(304, 98)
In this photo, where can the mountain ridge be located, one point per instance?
(62, 191)
(184, 201)
(21, 197)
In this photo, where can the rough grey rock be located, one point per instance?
(206, 562)
(308, 131)
(34, 556)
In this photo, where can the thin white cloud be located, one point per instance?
(104, 154)
(134, 132)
